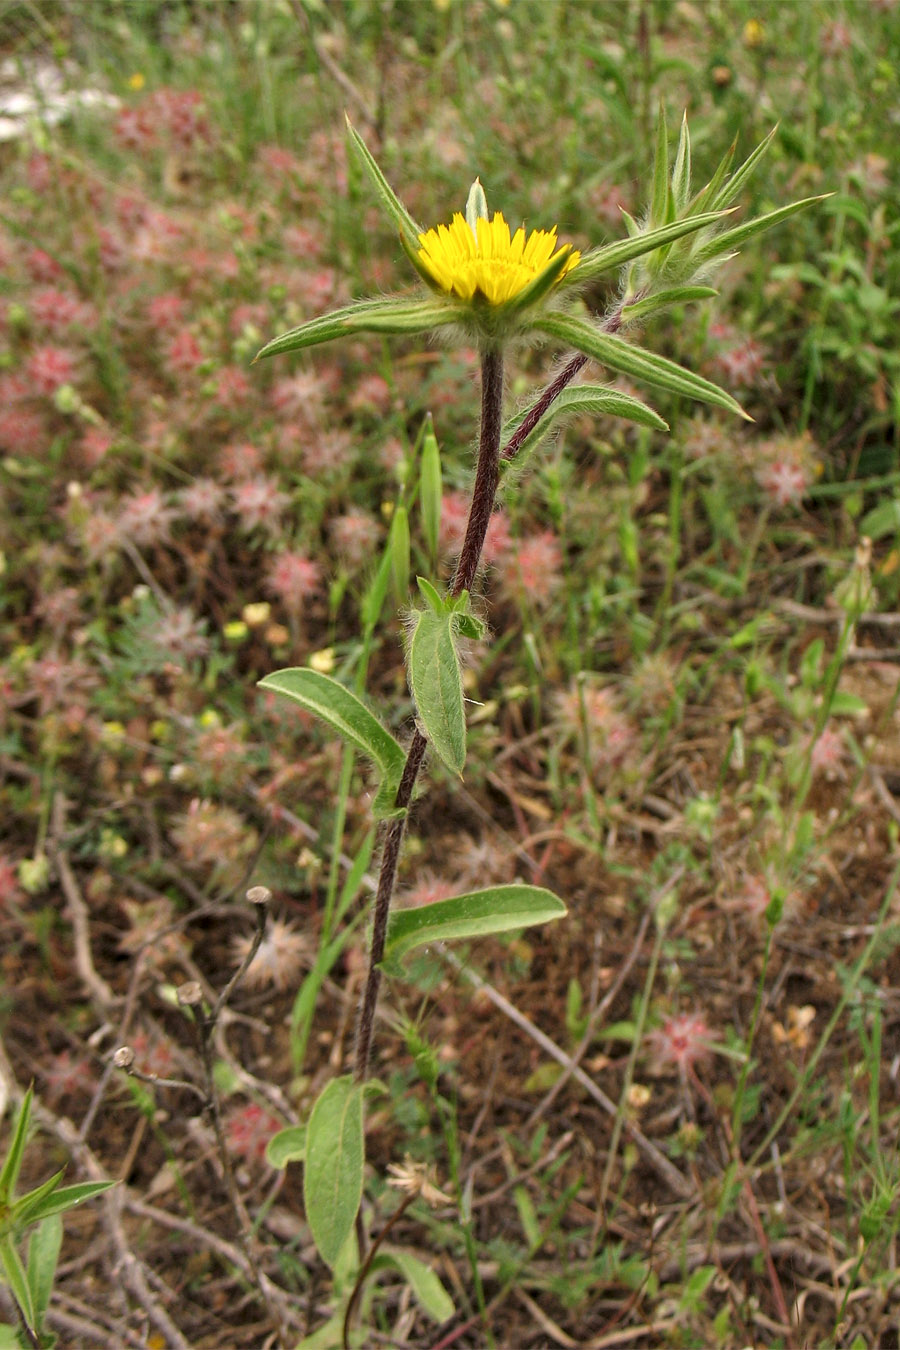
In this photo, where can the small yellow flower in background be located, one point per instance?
(256, 614)
(487, 261)
(136, 81)
(754, 33)
(322, 661)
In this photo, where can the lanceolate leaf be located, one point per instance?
(435, 681)
(333, 1175)
(729, 239)
(494, 910)
(730, 190)
(368, 316)
(604, 259)
(678, 295)
(421, 1279)
(349, 717)
(634, 361)
(67, 1197)
(589, 400)
(389, 199)
(15, 1276)
(13, 1162)
(43, 1254)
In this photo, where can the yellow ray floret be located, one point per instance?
(494, 265)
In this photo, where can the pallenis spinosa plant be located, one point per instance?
(492, 288)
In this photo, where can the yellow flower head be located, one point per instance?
(488, 262)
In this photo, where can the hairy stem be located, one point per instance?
(483, 493)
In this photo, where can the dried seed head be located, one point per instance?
(124, 1057)
(189, 994)
(259, 895)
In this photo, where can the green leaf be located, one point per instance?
(731, 190)
(43, 1254)
(477, 914)
(373, 601)
(660, 199)
(389, 199)
(634, 361)
(728, 240)
(400, 552)
(13, 1161)
(582, 400)
(435, 681)
(347, 715)
(286, 1146)
(681, 174)
(603, 259)
(431, 595)
(882, 519)
(17, 1279)
(24, 1206)
(845, 704)
(9, 1337)
(367, 316)
(61, 1200)
(333, 1176)
(678, 295)
(430, 1294)
(431, 489)
(353, 881)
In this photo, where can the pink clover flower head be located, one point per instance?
(326, 451)
(183, 353)
(681, 1042)
(454, 514)
(239, 460)
(429, 890)
(57, 311)
(202, 500)
(11, 892)
(752, 898)
(299, 396)
(48, 368)
(371, 395)
(96, 443)
(294, 578)
(784, 482)
(828, 753)
(248, 1130)
(42, 267)
(355, 536)
(180, 634)
(232, 388)
(166, 311)
(22, 431)
(208, 834)
(145, 518)
(535, 566)
(66, 1075)
(260, 503)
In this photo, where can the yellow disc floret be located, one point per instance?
(495, 265)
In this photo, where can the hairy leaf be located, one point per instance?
(347, 715)
(335, 1157)
(477, 914)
